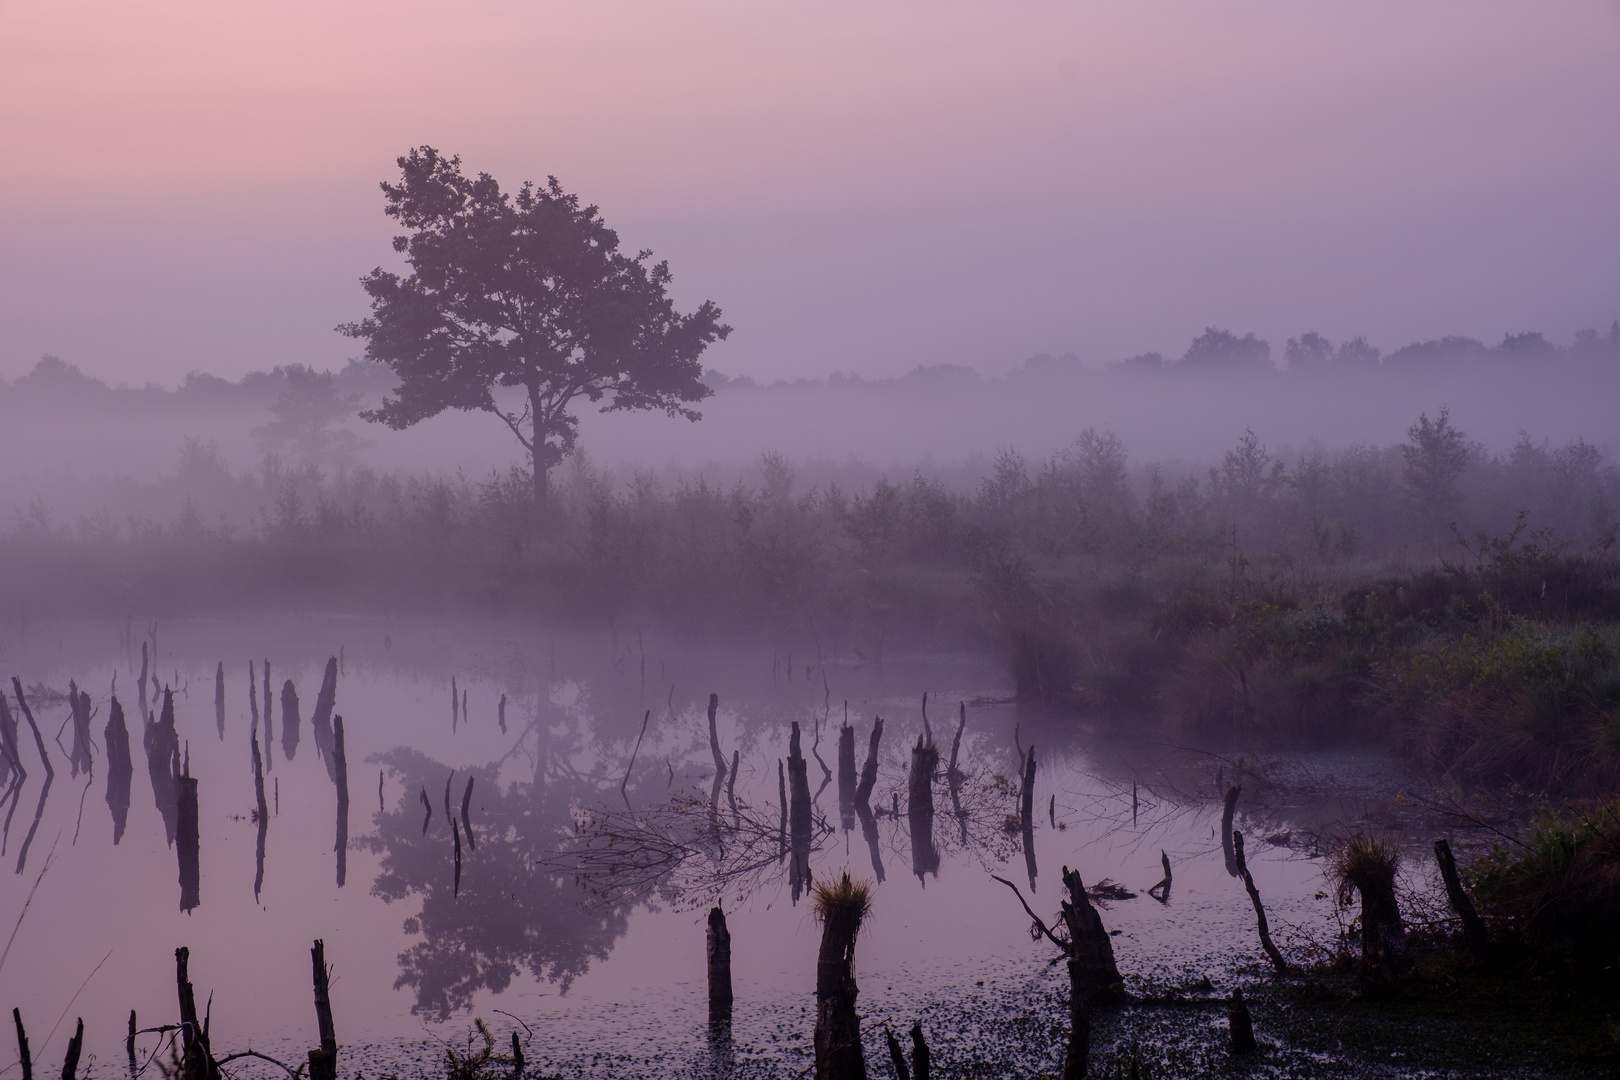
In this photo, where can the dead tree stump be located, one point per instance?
(841, 907)
(70, 1065)
(1238, 1024)
(719, 956)
(25, 1058)
(921, 1060)
(323, 1062)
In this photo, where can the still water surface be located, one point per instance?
(606, 971)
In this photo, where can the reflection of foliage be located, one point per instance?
(512, 914)
(686, 852)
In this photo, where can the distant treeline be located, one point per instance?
(1215, 350)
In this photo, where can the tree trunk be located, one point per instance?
(542, 492)
(839, 1055)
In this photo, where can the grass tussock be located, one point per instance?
(842, 903)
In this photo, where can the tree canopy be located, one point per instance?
(526, 292)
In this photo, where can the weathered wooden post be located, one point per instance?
(841, 907)
(1276, 957)
(1238, 1024)
(26, 1058)
(719, 956)
(1479, 943)
(129, 1049)
(70, 1065)
(323, 1062)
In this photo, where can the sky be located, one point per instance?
(862, 187)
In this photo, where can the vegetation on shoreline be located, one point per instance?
(1461, 606)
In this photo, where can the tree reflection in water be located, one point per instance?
(513, 913)
(556, 872)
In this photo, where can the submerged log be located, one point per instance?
(323, 1061)
(219, 699)
(1276, 957)
(320, 721)
(719, 957)
(291, 722)
(1238, 1024)
(841, 907)
(1479, 942)
(342, 764)
(120, 768)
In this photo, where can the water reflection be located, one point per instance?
(511, 912)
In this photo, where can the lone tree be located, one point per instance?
(530, 294)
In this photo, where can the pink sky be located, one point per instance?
(867, 187)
